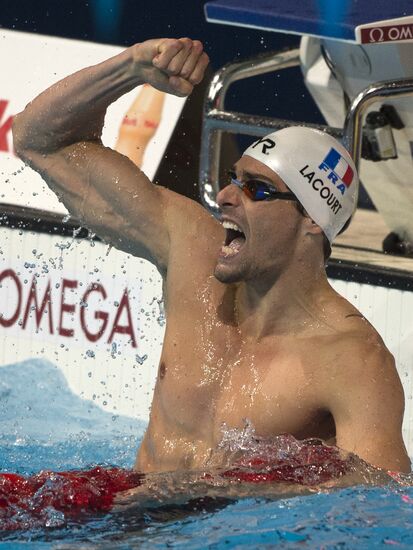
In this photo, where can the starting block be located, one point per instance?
(357, 63)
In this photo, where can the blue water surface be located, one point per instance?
(74, 433)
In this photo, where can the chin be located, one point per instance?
(225, 274)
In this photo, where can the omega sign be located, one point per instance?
(392, 33)
(61, 310)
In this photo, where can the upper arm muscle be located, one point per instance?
(368, 412)
(107, 193)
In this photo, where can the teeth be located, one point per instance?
(230, 225)
(228, 251)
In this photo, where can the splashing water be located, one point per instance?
(49, 498)
(161, 320)
(244, 464)
(281, 458)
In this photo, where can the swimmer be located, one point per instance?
(254, 330)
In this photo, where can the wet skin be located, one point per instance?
(292, 376)
(257, 335)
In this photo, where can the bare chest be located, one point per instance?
(212, 383)
(211, 379)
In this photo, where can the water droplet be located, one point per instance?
(141, 359)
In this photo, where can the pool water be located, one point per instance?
(358, 517)
(185, 513)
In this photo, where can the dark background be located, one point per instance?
(124, 22)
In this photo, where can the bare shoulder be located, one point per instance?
(365, 355)
(359, 385)
(195, 235)
(356, 357)
(359, 347)
(362, 369)
(365, 395)
(189, 217)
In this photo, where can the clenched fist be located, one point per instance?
(172, 65)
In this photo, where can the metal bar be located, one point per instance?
(258, 65)
(233, 122)
(214, 104)
(24, 218)
(217, 120)
(353, 126)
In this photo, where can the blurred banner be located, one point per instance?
(93, 312)
(139, 124)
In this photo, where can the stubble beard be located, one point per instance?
(248, 273)
(228, 275)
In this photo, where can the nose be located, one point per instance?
(230, 195)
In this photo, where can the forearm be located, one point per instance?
(73, 109)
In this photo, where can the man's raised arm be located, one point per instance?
(59, 135)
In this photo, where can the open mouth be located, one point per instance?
(234, 241)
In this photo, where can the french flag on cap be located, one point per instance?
(339, 166)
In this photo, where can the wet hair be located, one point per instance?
(326, 242)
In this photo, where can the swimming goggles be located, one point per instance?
(258, 190)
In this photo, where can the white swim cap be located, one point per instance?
(317, 169)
